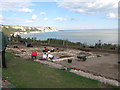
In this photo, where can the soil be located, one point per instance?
(106, 65)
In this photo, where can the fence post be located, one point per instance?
(63, 42)
(48, 41)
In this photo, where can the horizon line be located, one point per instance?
(59, 29)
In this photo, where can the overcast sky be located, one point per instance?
(80, 14)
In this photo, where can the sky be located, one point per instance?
(61, 14)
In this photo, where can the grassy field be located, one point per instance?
(28, 74)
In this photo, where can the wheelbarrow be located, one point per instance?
(84, 58)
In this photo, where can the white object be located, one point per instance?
(50, 56)
(44, 56)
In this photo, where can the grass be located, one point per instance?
(28, 74)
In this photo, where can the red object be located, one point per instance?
(34, 53)
(20, 48)
(75, 68)
(46, 49)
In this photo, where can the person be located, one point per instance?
(26, 43)
(52, 50)
(45, 49)
(34, 55)
(50, 56)
(44, 56)
(29, 45)
(57, 49)
(3, 45)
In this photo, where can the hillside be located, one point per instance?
(16, 29)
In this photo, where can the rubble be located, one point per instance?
(99, 78)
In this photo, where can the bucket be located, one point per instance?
(49, 59)
(69, 60)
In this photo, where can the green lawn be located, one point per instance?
(28, 74)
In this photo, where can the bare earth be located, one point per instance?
(106, 65)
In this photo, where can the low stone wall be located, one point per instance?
(80, 72)
(99, 78)
(50, 64)
(62, 59)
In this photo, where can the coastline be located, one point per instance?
(17, 30)
(32, 32)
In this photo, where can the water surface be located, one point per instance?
(84, 36)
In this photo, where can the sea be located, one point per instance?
(86, 36)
